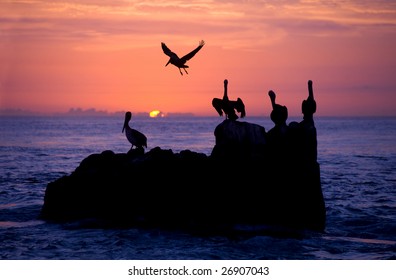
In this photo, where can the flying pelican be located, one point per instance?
(136, 138)
(180, 62)
(227, 106)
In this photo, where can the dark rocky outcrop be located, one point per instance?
(243, 181)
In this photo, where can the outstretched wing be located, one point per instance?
(192, 53)
(167, 51)
(217, 103)
(240, 107)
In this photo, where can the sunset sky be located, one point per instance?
(102, 54)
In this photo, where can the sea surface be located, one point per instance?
(357, 158)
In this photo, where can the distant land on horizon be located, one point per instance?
(87, 112)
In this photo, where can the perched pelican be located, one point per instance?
(277, 136)
(227, 106)
(180, 62)
(279, 113)
(308, 106)
(307, 126)
(136, 138)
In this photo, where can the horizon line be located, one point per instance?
(91, 112)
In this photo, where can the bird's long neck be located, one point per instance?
(310, 90)
(126, 123)
(273, 102)
(225, 96)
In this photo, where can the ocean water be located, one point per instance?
(357, 157)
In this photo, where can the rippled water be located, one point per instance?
(357, 157)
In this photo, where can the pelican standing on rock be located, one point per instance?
(279, 113)
(227, 106)
(136, 138)
(180, 62)
(308, 106)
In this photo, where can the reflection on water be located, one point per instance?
(11, 224)
(363, 240)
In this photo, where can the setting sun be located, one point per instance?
(156, 113)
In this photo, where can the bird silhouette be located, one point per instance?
(136, 138)
(180, 62)
(227, 106)
(308, 106)
(279, 113)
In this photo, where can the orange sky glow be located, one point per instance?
(57, 55)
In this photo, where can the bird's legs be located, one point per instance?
(182, 72)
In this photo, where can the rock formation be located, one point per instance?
(242, 182)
